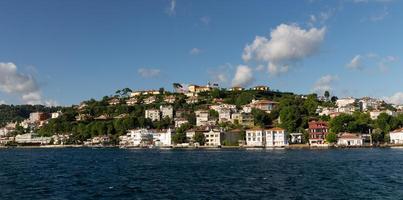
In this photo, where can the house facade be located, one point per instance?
(153, 114)
(396, 136)
(167, 111)
(317, 132)
(350, 139)
(255, 138)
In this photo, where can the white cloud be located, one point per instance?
(171, 10)
(148, 72)
(195, 51)
(205, 20)
(24, 85)
(320, 18)
(397, 98)
(371, 59)
(243, 76)
(380, 16)
(221, 74)
(51, 103)
(2, 102)
(287, 45)
(355, 63)
(325, 83)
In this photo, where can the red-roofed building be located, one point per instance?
(317, 132)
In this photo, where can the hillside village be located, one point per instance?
(210, 116)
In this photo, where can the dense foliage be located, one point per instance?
(10, 113)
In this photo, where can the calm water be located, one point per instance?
(201, 174)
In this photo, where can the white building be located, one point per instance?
(31, 138)
(368, 103)
(213, 138)
(167, 111)
(255, 138)
(162, 138)
(223, 106)
(132, 101)
(276, 137)
(170, 99)
(345, 101)
(149, 100)
(136, 138)
(224, 115)
(56, 114)
(396, 136)
(375, 114)
(265, 105)
(180, 121)
(202, 117)
(296, 138)
(153, 114)
(350, 139)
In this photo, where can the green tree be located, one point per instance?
(327, 95)
(331, 138)
(199, 138)
(261, 118)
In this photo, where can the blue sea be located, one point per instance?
(112, 173)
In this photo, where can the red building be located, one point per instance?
(317, 132)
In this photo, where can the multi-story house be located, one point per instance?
(317, 132)
(350, 139)
(180, 121)
(170, 99)
(213, 137)
(276, 137)
(396, 136)
(202, 117)
(167, 111)
(132, 101)
(265, 105)
(153, 114)
(149, 100)
(255, 138)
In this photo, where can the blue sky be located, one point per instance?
(63, 52)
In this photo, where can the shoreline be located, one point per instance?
(293, 147)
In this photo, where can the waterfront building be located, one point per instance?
(162, 138)
(396, 136)
(296, 138)
(153, 114)
(213, 137)
(350, 139)
(275, 137)
(255, 138)
(317, 132)
(136, 138)
(32, 139)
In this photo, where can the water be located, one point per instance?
(83, 173)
